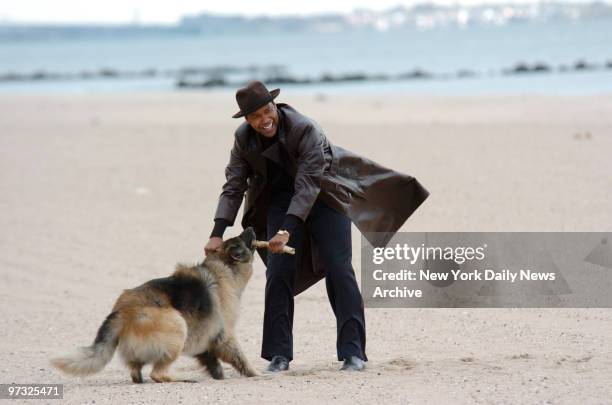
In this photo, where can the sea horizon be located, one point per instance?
(545, 53)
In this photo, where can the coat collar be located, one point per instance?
(256, 154)
(273, 152)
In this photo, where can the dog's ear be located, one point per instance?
(248, 236)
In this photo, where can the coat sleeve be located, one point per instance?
(232, 192)
(310, 165)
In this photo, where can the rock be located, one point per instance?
(583, 65)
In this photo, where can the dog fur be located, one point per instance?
(194, 311)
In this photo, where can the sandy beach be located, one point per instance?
(102, 192)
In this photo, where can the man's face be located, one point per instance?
(264, 120)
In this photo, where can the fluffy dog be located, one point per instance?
(193, 311)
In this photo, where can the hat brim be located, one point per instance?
(273, 94)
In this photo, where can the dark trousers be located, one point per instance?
(332, 233)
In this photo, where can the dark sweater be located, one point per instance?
(281, 188)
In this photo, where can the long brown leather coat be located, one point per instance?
(375, 198)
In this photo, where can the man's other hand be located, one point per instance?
(276, 244)
(213, 244)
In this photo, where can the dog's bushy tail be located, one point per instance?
(91, 359)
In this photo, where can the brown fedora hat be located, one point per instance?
(252, 97)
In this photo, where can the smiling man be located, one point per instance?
(304, 192)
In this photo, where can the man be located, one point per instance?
(303, 191)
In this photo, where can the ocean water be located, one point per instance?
(485, 50)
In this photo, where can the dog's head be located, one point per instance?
(239, 249)
(236, 254)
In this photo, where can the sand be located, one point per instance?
(103, 192)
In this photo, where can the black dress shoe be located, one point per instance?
(278, 363)
(353, 363)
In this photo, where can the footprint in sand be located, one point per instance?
(522, 356)
(569, 359)
(404, 364)
(300, 373)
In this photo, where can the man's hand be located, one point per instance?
(213, 244)
(276, 244)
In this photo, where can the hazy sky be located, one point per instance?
(168, 11)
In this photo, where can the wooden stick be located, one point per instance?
(264, 244)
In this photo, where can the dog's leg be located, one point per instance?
(229, 351)
(160, 373)
(136, 372)
(160, 370)
(212, 364)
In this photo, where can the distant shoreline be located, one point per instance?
(232, 76)
(398, 17)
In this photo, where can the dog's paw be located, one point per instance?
(252, 373)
